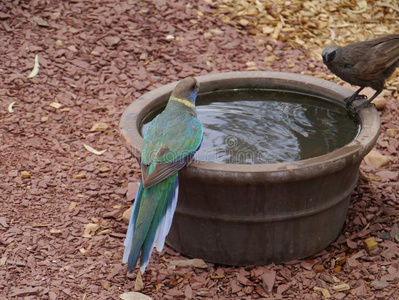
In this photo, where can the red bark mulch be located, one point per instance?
(95, 59)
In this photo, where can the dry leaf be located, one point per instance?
(106, 231)
(35, 69)
(108, 254)
(79, 176)
(3, 260)
(119, 206)
(25, 174)
(196, 263)
(376, 159)
(105, 285)
(134, 296)
(104, 169)
(92, 150)
(55, 105)
(243, 280)
(243, 22)
(132, 188)
(112, 40)
(392, 132)
(379, 285)
(336, 279)
(126, 215)
(379, 103)
(267, 29)
(72, 206)
(10, 107)
(341, 287)
(268, 279)
(39, 21)
(3, 222)
(370, 244)
(99, 127)
(92, 227)
(43, 225)
(138, 284)
(72, 48)
(324, 291)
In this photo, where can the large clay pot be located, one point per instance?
(257, 214)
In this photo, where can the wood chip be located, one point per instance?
(39, 21)
(324, 291)
(370, 244)
(341, 287)
(25, 174)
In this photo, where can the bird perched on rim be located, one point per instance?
(365, 64)
(169, 144)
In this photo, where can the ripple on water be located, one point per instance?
(269, 126)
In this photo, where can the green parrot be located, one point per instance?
(169, 144)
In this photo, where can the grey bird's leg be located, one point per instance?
(366, 103)
(355, 95)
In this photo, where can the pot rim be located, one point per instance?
(351, 153)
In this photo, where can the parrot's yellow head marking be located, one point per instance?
(185, 102)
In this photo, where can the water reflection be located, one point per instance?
(257, 127)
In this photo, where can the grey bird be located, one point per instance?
(365, 64)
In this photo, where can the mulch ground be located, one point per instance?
(61, 234)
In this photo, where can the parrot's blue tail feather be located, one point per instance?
(167, 218)
(162, 225)
(130, 229)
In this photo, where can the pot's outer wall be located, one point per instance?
(258, 214)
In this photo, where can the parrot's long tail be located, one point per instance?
(150, 221)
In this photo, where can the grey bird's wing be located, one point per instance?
(384, 52)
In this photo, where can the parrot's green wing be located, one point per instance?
(171, 151)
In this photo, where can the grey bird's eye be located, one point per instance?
(330, 56)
